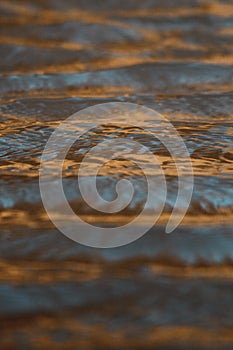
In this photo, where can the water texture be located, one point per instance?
(162, 291)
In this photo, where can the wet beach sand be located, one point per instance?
(162, 291)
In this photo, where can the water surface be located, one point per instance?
(162, 291)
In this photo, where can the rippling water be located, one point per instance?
(162, 291)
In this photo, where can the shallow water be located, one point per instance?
(162, 291)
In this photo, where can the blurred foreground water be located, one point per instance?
(162, 291)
